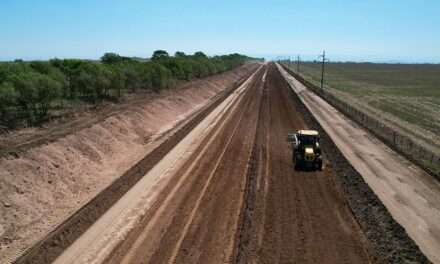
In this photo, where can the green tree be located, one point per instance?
(200, 55)
(48, 90)
(188, 70)
(117, 81)
(179, 54)
(176, 67)
(131, 76)
(159, 55)
(111, 58)
(70, 68)
(145, 75)
(161, 77)
(8, 101)
(93, 81)
(28, 90)
(35, 94)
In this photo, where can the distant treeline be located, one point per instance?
(28, 90)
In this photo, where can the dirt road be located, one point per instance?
(292, 216)
(234, 197)
(410, 195)
(226, 192)
(91, 162)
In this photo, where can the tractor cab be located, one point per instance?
(306, 149)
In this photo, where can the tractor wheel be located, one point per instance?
(320, 165)
(298, 164)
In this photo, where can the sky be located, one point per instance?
(379, 30)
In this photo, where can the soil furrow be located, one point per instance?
(176, 211)
(306, 219)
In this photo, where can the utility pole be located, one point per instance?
(297, 63)
(322, 68)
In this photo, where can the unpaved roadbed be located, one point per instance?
(391, 243)
(224, 190)
(292, 216)
(301, 216)
(50, 182)
(107, 232)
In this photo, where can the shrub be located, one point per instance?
(28, 90)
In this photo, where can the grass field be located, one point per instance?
(405, 92)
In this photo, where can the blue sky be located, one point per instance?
(404, 30)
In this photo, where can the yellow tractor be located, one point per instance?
(306, 152)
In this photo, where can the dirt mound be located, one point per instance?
(43, 185)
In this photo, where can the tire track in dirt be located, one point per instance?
(165, 238)
(389, 240)
(237, 199)
(65, 234)
(305, 217)
(203, 193)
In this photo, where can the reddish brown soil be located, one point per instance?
(56, 171)
(244, 203)
(293, 216)
(237, 198)
(390, 240)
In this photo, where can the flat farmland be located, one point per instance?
(405, 95)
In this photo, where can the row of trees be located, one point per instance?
(29, 90)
